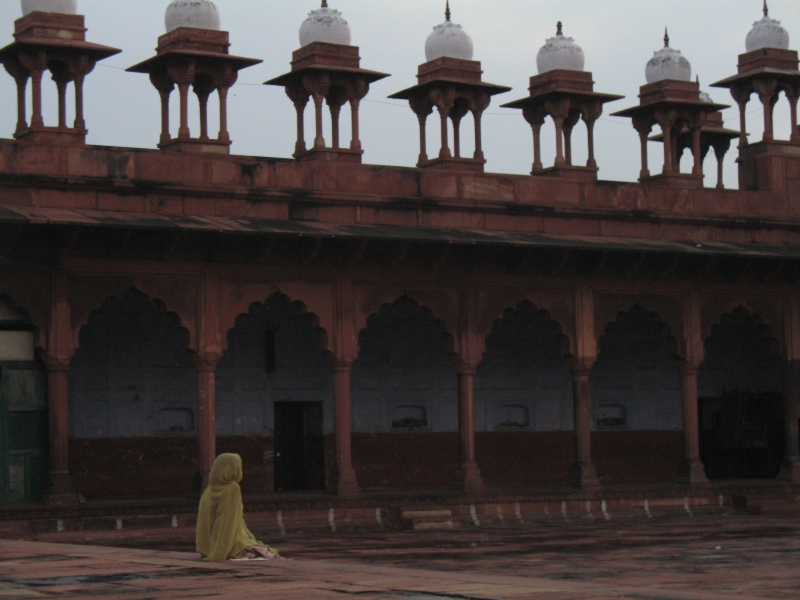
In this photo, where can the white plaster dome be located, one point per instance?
(198, 14)
(449, 39)
(560, 53)
(325, 25)
(767, 33)
(668, 63)
(66, 7)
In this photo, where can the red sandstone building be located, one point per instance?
(378, 332)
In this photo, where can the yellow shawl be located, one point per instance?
(221, 531)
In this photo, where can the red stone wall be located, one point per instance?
(637, 456)
(514, 459)
(148, 467)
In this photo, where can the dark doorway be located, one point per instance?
(299, 447)
(741, 435)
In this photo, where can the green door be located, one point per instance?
(23, 433)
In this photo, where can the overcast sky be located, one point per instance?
(618, 37)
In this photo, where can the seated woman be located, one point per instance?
(221, 531)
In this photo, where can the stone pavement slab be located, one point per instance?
(727, 558)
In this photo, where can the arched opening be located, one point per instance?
(275, 399)
(405, 401)
(523, 402)
(23, 410)
(740, 400)
(636, 391)
(132, 402)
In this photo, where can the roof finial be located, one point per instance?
(559, 30)
(666, 38)
(324, 3)
(766, 9)
(447, 11)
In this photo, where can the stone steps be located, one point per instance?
(429, 520)
(777, 506)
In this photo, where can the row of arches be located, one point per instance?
(132, 386)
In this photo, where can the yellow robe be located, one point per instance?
(221, 531)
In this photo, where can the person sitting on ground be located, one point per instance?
(221, 531)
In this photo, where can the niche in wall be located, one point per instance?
(611, 416)
(409, 418)
(513, 417)
(175, 421)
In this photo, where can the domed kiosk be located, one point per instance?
(193, 53)
(672, 100)
(565, 92)
(51, 33)
(327, 69)
(767, 68)
(451, 82)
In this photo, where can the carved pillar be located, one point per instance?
(422, 107)
(164, 85)
(444, 151)
(696, 151)
(470, 473)
(61, 86)
(357, 94)
(693, 472)
(459, 110)
(22, 119)
(720, 150)
(347, 484)
(299, 97)
(478, 105)
(666, 120)
(741, 96)
(183, 130)
(206, 414)
(767, 93)
(202, 94)
(335, 99)
(61, 490)
(569, 125)
(643, 125)
(791, 463)
(535, 117)
(37, 120)
(591, 163)
(583, 473)
(792, 94)
(223, 134)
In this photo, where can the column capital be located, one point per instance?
(581, 366)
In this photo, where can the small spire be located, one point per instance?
(766, 9)
(560, 29)
(666, 38)
(447, 14)
(324, 3)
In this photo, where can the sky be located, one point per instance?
(618, 37)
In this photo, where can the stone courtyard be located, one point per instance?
(719, 556)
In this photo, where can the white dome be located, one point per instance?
(198, 14)
(668, 64)
(325, 25)
(66, 7)
(448, 39)
(560, 53)
(767, 33)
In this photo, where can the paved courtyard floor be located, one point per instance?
(705, 557)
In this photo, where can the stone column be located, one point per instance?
(643, 126)
(360, 89)
(470, 474)
(62, 490)
(422, 107)
(61, 86)
(37, 120)
(720, 150)
(444, 111)
(792, 95)
(319, 138)
(223, 134)
(346, 484)
(767, 93)
(569, 125)
(535, 118)
(790, 471)
(22, 119)
(583, 473)
(183, 130)
(697, 152)
(693, 472)
(206, 415)
(666, 120)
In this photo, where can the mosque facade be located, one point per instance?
(355, 329)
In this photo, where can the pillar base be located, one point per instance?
(347, 484)
(583, 475)
(790, 471)
(345, 155)
(693, 473)
(470, 479)
(62, 490)
(197, 146)
(53, 135)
